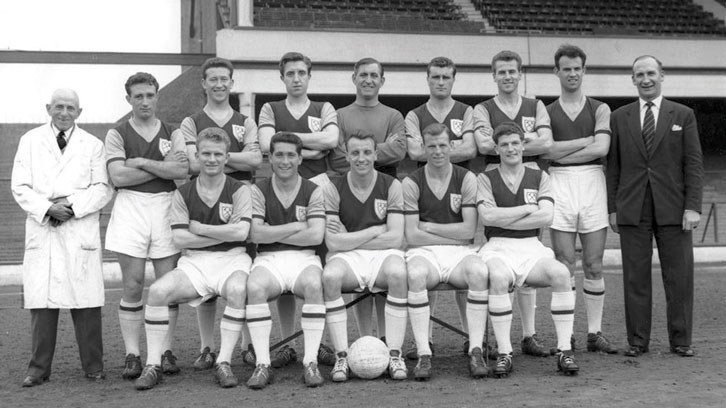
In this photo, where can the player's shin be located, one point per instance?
(420, 314)
(396, 315)
(157, 326)
(500, 313)
(230, 328)
(313, 323)
(336, 317)
(563, 315)
(259, 321)
(476, 313)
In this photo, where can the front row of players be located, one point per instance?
(364, 217)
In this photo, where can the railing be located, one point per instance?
(712, 213)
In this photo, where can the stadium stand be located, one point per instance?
(643, 17)
(387, 15)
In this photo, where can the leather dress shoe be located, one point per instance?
(635, 351)
(683, 351)
(32, 381)
(96, 377)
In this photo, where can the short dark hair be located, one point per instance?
(294, 57)
(507, 128)
(367, 61)
(216, 62)
(436, 129)
(660, 64)
(286, 137)
(506, 55)
(441, 62)
(141, 78)
(569, 51)
(360, 136)
(214, 134)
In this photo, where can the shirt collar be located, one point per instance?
(656, 102)
(68, 132)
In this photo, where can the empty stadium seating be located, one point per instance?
(642, 17)
(660, 17)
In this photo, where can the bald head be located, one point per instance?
(63, 108)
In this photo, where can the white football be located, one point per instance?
(368, 357)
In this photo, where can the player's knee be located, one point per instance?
(311, 283)
(592, 268)
(256, 291)
(134, 287)
(566, 259)
(159, 294)
(559, 276)
(396, 272)
(332, 277)
(416, 273)
(477, 275)
(236, 290)
(498, 281)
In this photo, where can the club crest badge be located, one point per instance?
(455, 202)
(530, 195)
(381, 206)
(528, 123)
(301, 213)
(239, 132)
(164, 146)
(456, 126)
(225, 212)
(315, 124)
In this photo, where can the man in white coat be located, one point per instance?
(59, 179)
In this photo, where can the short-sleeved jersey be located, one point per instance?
(239, 128)
(385, 198)
(316, 118)
(493, 192)
(526, 118)
(382, 122)
(419, 199)
(593, 118)
(456, 120)
(232, 206)
(132, 145)
(308, 203)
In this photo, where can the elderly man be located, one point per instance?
(59, 179)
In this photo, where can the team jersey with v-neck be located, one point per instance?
(593, 118)
(232, 206)
(132, 144)
(277, 116)
(385, 198)
(418, 198)
(237, 127)
(455, 121)
(492, 191)
(307, 204)
(526, 118)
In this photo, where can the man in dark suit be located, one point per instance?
(655, 182)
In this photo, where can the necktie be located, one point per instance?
(648, 128)
(61, 139)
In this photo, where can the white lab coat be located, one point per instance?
(62, 265)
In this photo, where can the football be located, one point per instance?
(368, 357)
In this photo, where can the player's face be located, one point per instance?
(506, 76)
(368, 81)
(143, 99)
(285, 160)
(570, 73)
(63, 111)
(438, 148)
(217, 84)
(212, 157)
(361, 155)
(441, 82)
(296, 78)
(510, 148)
(647, 77)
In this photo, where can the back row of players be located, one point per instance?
(364, 216)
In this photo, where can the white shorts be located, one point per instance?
(366, 264)
(140, 225)
(286, 266)
(443, 257)
(208, 271)
(580, 198)
(519, 254)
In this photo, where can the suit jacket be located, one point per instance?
(674, 169)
